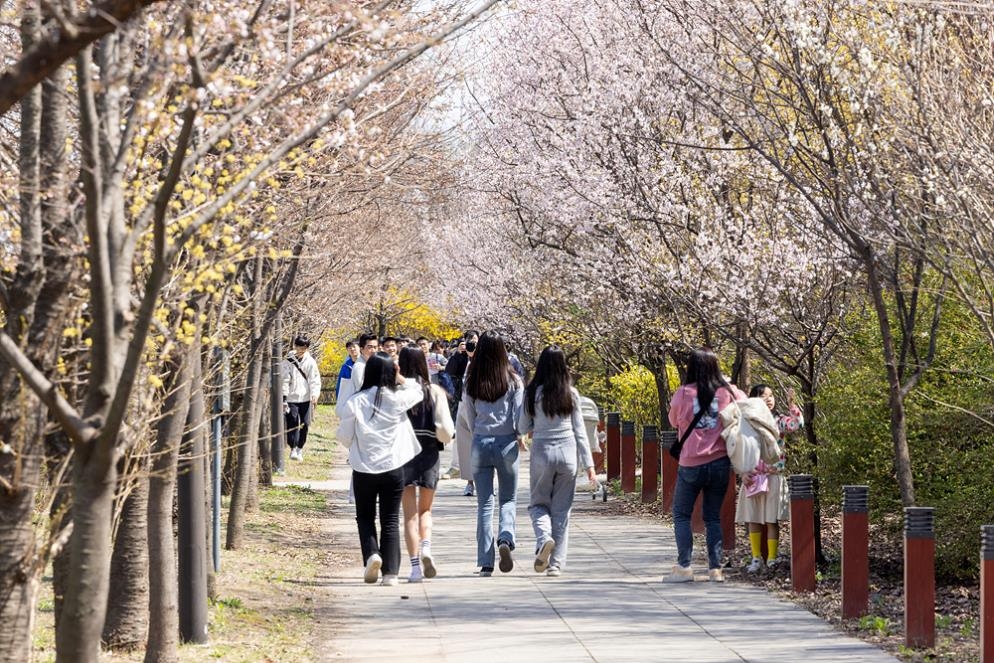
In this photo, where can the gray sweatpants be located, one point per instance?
(553, 482)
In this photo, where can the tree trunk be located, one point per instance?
(898, 418)
(163, 626)
(265, 474)
(193, 553)
(246, 451)
(20, 468)
(126, 625)
(82, 618)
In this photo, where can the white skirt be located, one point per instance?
(769, 507)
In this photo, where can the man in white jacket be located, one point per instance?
(301, 388)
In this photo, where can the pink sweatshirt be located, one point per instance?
(704, 443)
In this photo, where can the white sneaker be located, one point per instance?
(373, 565)
(543, 555)
(680, 574)
(755, 565)
(427, 562)
(389, 580)
(416, 575)
(716, 575)
(293, 454)
(300, 454)
(553, 572)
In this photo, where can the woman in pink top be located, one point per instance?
(704, 463)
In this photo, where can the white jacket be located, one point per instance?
(750, 433)
(383, 442)
(297, 388)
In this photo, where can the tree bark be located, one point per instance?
(84, 608)
(193, 551)
(126, 625)
(246, 451)
(163, 622)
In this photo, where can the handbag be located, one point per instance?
(678, 447)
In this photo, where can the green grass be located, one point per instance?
(318, 453)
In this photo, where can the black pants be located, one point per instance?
(296, 424)
(388, 488)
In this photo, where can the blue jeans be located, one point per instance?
(711, 479)
(498, 453)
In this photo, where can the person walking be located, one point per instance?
(301, 388)
(763, 498)
(704, 466)
(492, 399)
(380, 439)
(345, 372)
(433, 427)
(551, 413)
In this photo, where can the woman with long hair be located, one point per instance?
(551, 413)
(488, 411)
(704, 464)
(375, 428)
(433, 427)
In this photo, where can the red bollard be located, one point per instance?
(802, 532)
(728, 516)
(628, 456)
(599, 455)
(670, 466)
(987, 594)
(919, 577)
(855, 551)
(650, 464)
(613, 445)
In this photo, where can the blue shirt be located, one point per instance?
(345, 373)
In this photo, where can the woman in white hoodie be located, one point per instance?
(375, 428)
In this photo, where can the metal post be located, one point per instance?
(919, 577)
(216, 500)
(628, 456)
(613, 445)
(987, 594)
(277, 420)
(670, 467)
(802, 532)
(650, 464)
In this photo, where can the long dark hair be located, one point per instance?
(414, 365)
(552, 374)
(490, 372)
(704, 371)
(380, 372)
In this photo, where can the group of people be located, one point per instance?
(704, 467)
(396, 416)
(395, 419)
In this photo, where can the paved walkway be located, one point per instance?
(608, 606)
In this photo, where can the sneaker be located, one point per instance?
(300, 453)
(506, 563)
(373, 565)
(716, 575)
(772, 564)
(416, 575)
(469, 490)
(553, 572)
(543, 555)
(451, 473)
(680, 574)
(427, 562)
(486, 571)
(389, 580)
(755, 565)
